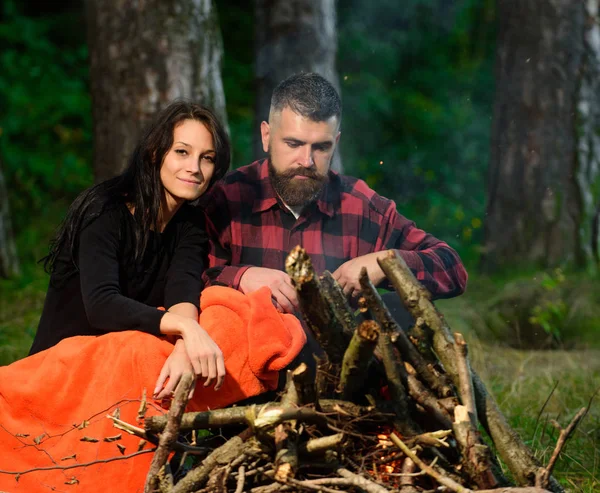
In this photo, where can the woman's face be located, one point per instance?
(189, 164)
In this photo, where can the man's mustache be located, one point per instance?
(309, 173)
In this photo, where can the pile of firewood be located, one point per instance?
(388, 410)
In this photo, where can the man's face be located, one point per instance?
(300, 152)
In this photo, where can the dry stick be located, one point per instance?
(396, 376)
(436, 381)
(407, 480)
(362, 482)
(226, 453)
(169, 436)
(76, 466)
(286, 436)
(232, 416)
(320, 445)
(467, 394)
(542, 478)
(148, 436)
(517, 456)
(357, 358)
(450, 483)
(304, 384)
(422, 395)
(316, 309)
(476, 455)
(339, 303)
(241, 479)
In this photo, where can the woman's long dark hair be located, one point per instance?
(139, 186)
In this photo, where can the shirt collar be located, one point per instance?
(268, 197)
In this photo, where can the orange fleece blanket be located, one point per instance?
(53, 405)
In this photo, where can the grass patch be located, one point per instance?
(522, 380)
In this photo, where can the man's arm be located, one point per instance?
(435, 264)
(218, 227)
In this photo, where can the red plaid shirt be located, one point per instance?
(248, 225)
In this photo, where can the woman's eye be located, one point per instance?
(181, 152)
(210, 159)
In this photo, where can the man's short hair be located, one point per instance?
(309, 95)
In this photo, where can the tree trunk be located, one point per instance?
(292, 36)
(9, 262)
(543, 175)
(143, 55)
(588, 106)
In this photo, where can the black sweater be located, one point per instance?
(109, 291)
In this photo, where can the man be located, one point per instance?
(261, 211)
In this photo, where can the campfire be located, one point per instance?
(388, 410)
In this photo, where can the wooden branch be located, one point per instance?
(450, 483)
(339, 304)
(241, 479)
(437, 382)
(467, 394)
(76, 466)
(305, 386)
(513, 451)
(362, 482)
(286, 436)
(195, 478)
(316, 310)
(169, 436)
(423, 396)
(356, 360)
(151, 437)
(396, 376)
(544, 474)
(286, 458)
(319, 445)
(407, 480)
(476, 455)
(233, 416)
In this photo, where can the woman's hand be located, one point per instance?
(176, 365)
(204, 355)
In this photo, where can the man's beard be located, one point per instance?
(293, 192)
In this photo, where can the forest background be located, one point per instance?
(453, 108)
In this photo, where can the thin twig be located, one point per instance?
(74, 466)
(169, 436)
(565, 434)
(240, 479)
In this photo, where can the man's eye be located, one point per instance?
(293, 145)
(181, 152)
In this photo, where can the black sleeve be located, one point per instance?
(105, 307)
(184, 277)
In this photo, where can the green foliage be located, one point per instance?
(417, 84)
(550, 314)
(45, 130)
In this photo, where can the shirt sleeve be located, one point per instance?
(433, 262)
(184, 277)
(218, 228)
(98, 260)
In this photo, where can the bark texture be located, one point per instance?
(543, 175)
(143, 55)
(292, 36)
(9, 262)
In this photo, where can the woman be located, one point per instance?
(132, 244)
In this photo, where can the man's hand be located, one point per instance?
(282, 290)
(176, 365)
(347, 275)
